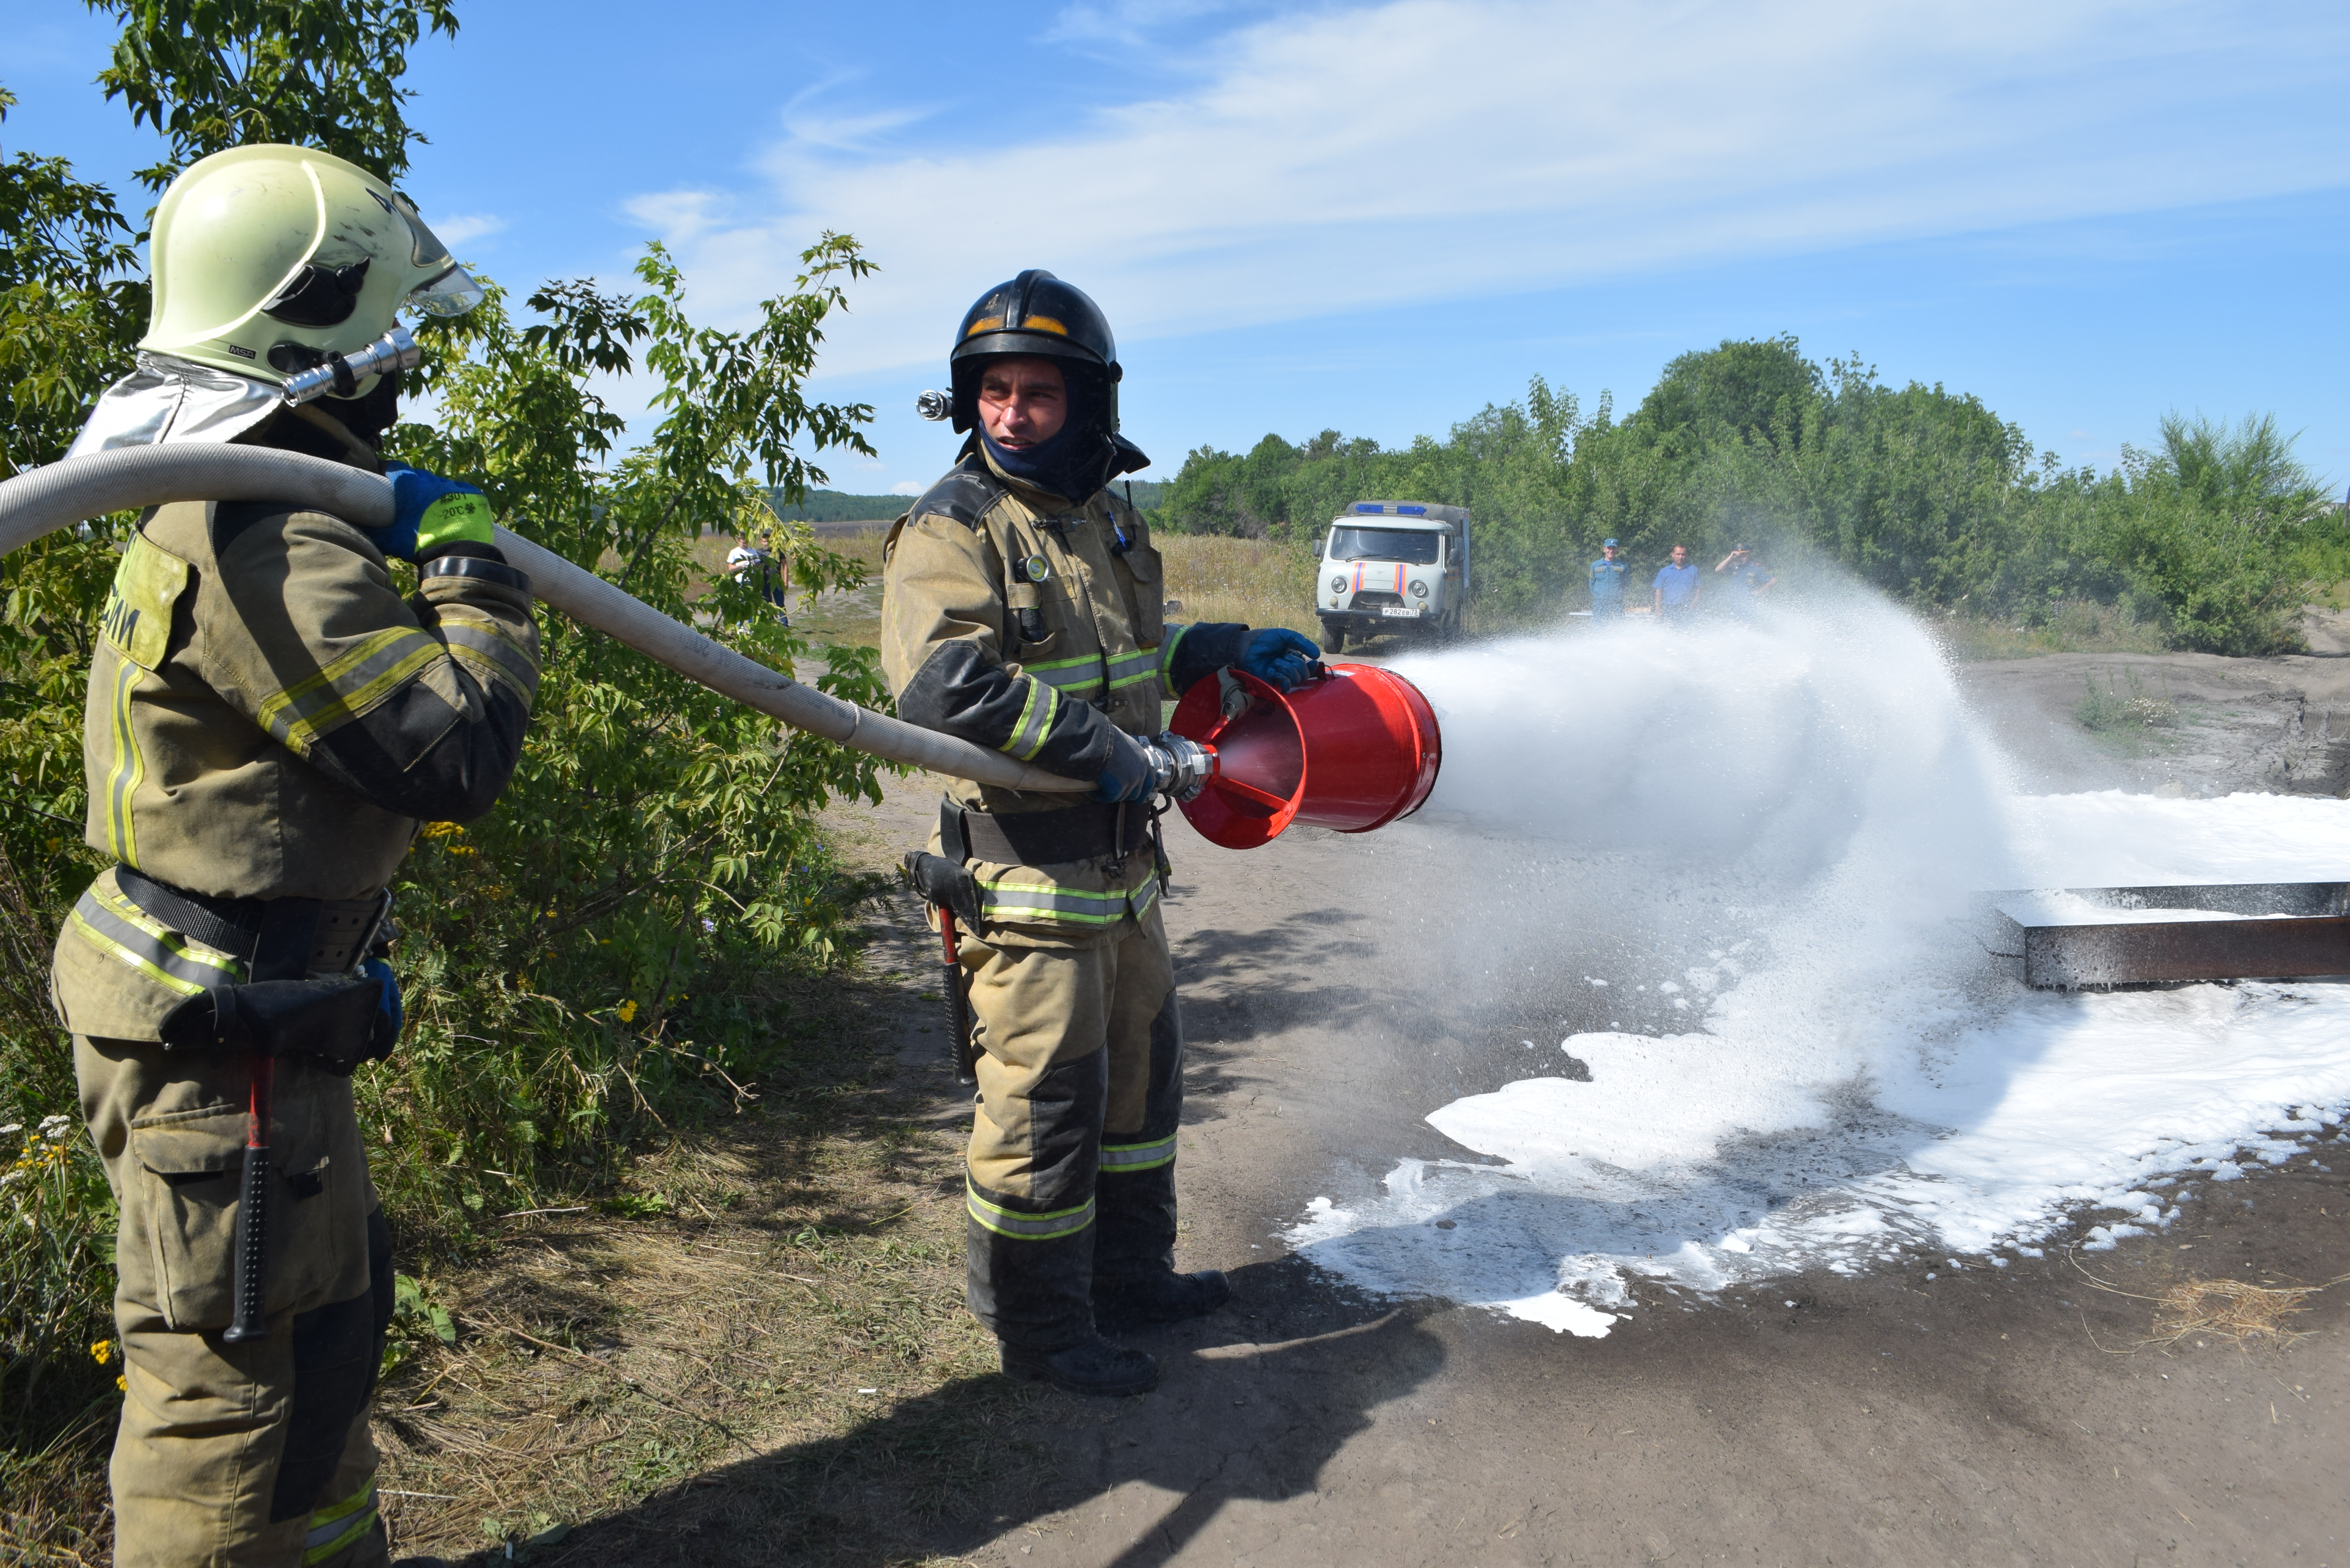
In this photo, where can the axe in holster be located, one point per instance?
(949, 890)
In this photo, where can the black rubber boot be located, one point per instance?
(1159, 1298)
(1092, 1366)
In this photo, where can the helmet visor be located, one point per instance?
(451, 293)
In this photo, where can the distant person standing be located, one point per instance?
(1675, 594)
(753, 565)
(1607, 576)
(1746, 574)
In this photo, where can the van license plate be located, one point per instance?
(1403, 612)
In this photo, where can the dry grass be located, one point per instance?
(2202, 1310)
(54, 1504)
(2074, 627)
(1254, 581)
(782, 1357)
(851, 616)
(2230, 1310)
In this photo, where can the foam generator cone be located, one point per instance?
(1353, 750)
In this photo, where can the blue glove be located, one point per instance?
(1279, 656)
(426, 517)
(389, 1015)
(1129, 775)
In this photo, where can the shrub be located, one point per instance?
(601, 956)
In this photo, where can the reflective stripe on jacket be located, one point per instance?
(1017, 621)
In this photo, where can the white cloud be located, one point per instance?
(462, 228)
(1341, 160)
(679, 217)
(1128, 22)
(908, 487)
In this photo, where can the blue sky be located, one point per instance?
(1380, 217)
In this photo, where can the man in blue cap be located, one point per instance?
(1608, 574)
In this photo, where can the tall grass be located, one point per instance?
(1260, 582)
(58, 1360)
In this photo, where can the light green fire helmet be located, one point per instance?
(268, 258)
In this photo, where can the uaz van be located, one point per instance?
(1393, 565)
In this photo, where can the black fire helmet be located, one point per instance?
(1037, 314)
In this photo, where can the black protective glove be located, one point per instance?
(1133, 773)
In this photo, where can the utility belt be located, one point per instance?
(304, 993)
(1096, 830)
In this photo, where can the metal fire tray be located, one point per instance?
(2254, 930)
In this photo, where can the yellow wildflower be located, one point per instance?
(629, 1011)
(121, 1383)
(101, 1351)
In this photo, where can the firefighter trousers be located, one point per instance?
(1071, 1167)
(253, 1455)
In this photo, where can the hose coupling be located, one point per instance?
(1180, 767)
(933, 405)
(342, 373)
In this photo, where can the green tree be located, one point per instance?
(71, 301)
(212, 74)
(603, 943)
(71, 307)
(1919, 491)
(1757, 387)
(2216, 526)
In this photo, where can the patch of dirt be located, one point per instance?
(791, 1296)
(2280, 725)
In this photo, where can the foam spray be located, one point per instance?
(1737, 863)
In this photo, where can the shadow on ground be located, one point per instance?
(1255, 1402)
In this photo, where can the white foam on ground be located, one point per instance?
(1867, 1084)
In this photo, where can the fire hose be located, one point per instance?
(43, 500)
(1373, 734)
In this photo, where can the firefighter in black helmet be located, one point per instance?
(1023, 609)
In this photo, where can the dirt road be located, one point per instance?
(1977, 1418)
(1919, 1416)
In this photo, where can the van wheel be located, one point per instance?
(1334, 637)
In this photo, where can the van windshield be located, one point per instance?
(1412, 546)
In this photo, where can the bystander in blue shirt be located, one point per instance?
(1608, 576)
(1748, 577)
(1675, 590)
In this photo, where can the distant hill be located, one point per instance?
(838, 506)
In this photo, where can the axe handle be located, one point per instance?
(251, 1241)
(966, 1060)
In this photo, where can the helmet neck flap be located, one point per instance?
(269, 261)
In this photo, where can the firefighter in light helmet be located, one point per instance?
(268, 724)
(270, 260)
(1022, 609)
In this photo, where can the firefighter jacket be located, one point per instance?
(267, 718)
(1015, 620)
